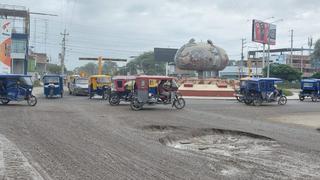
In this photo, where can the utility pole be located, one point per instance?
(263, 55)
(63, 52)
(291, 47)
(268, 64)
(310, 43)
(243, 42)
(301, 65)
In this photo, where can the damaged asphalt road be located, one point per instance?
(77, 138)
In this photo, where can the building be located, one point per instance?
(14, 39)
(41, 62)
(233, 72)
(283, 56)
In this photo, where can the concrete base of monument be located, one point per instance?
(206, 90)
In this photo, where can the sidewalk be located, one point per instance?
(295, 96)
(13, 164)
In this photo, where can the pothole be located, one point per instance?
(234, 154)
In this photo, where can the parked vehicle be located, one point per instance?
(53, 85)
(310, 88)
(122, 89)
(259, 90)
(16, 88)
(79, 86)
(152, 90)
(71, 78)
(242, 86)
(100, 85)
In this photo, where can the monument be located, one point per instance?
(200, 57)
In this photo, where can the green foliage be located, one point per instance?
(54, 69)
(146, 64)
(315, 56)
(316, 75)
(283, 71)
(287, 92)
(289, 85)
(89, 68)
(92, 68)
(36, 83)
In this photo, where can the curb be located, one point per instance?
(220, 98)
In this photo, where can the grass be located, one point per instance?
(287, 92)
(289, 85)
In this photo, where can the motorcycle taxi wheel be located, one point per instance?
(114, 100)
(282, 100)
(135, 105)
(5, 101)
(179, 103)
(32, 100)
(301, 98)
(257, 102)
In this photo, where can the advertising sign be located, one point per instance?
(5, 46)
(262, 32)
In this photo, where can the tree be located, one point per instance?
(89, 68)
(146, 64)
(315, 56)
(55, 69)
(109, 67)
(316, 75)
(283, 71)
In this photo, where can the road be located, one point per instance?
(78, 138)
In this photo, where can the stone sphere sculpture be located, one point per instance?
(202, 56)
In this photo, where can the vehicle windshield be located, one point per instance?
(51, 80)
(252, 85)
(26, 81)
(307, 84)
(103, 80)
(82, 81)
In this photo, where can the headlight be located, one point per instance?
(30, 90)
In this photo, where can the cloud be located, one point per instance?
(123, 28)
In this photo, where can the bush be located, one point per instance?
(36, 83)
(283, 71)
(289, 85)
(287, 92)
(316, 75)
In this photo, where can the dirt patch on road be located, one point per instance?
(310, 120)
(234, 154)
(161, 128)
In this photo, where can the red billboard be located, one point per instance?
(262, 32)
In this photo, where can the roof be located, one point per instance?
(52, 75)
(265, 79)
(14, 75)
(155, 77)
(40, 57)
(99, 76)
(124, 77)
(310, 80)
(246, 78)
(279, 50)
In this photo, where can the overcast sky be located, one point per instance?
(124, 28)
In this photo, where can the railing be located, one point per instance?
(12, 7)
